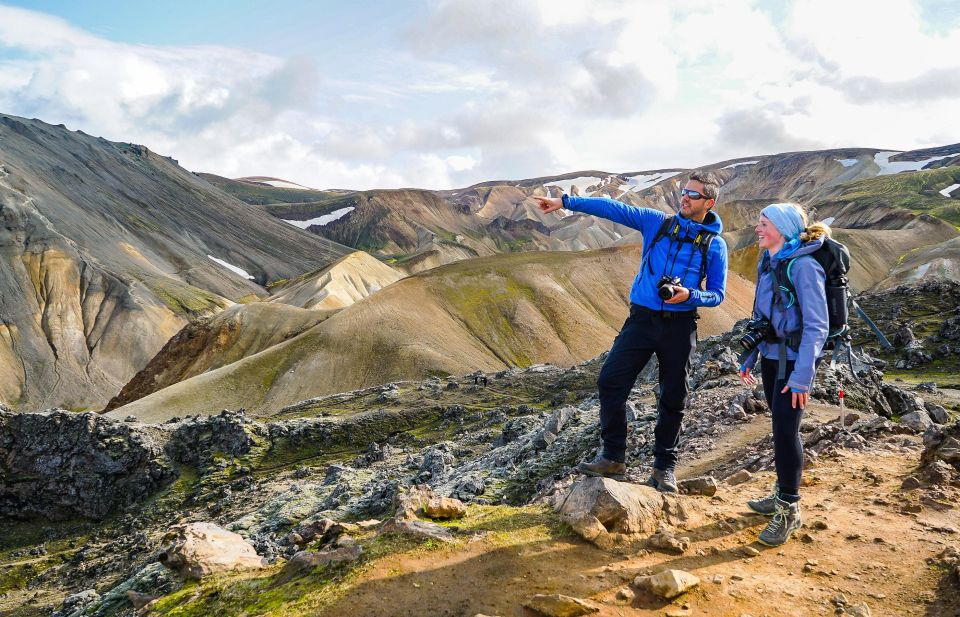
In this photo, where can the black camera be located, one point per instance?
(757, 330)
(666, 286)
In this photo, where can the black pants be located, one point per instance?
(645, 333)
(787, 447)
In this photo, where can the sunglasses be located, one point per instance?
(693, 194)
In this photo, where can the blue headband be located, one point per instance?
(786, 218)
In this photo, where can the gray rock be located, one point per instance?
(917, 421)
(305, 561)
(937, 413)
(75, 604)
(70, 464)
(704, 485)
(667, 584)
(622, 507)
(558, 605)
(195, 440)
(418, 529)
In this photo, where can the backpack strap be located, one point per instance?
(704, 240)
(661, 232)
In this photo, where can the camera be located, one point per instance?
(757, 330)
(666, 286)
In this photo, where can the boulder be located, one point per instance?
(196, 550)
(937, 413)
(917, 421)
(704, 485)
(67, 465)
(417, 529)
(667, 584)
(624, 508)
(739, 478)
(305, 561)
(666, 541)
(410, 501)
(444, 508)
(558, 605)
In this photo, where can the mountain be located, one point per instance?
(108, 249)
(345, 281)
(492, 313)
(867, 191)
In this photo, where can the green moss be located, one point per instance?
(266, 593)
(916, 191)
(183, 299)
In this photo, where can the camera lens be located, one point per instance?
(665, 292)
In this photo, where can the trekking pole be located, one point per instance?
(842, 423)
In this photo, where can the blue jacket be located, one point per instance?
(680, 259)
(807, 314)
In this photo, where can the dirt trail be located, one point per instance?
(864, 538)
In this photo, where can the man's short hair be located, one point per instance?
(709, 180)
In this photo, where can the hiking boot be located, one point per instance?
(766, 506)
(786, 520)
(663, 480)
(603, 467)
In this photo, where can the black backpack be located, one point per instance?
(834, 258)
(671, 228)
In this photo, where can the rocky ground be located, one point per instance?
(461, 497)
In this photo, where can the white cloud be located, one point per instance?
(510, 89)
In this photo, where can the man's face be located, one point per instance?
(695, 209)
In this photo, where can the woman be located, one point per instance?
(790, 352)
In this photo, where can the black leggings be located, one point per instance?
(787, 447)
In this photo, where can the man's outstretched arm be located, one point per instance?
(603, 207)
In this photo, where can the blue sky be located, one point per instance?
(446, 93)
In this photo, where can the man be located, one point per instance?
(686, 246)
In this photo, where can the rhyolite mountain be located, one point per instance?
(886, 204)
(107, 250)
(489, 314)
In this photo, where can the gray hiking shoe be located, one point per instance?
(603, 467)
(663, 480)
(786, 520)
(766, 506)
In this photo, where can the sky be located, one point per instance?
(443, 94)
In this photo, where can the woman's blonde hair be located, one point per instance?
(812, 231)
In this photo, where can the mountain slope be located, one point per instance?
(100, 240)
(491, 313)
(347, 280)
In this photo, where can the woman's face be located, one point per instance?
(768, 236)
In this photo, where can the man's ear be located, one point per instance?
(711, 203)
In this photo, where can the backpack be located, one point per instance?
(834, 258)
(670, 228)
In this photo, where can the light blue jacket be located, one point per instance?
(670, 258)
(808, 313)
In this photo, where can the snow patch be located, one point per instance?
(739, 164)
(847, 162)
(641, 182)
(581, 183)
(321, 220)
(946, 192)
(882, 159)
(232, 268)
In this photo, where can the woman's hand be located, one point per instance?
(798, 400)
(746, 377)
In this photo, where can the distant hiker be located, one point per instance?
(788, 331)
(679, 252)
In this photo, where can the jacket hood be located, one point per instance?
(805, 249)
(710, 223)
